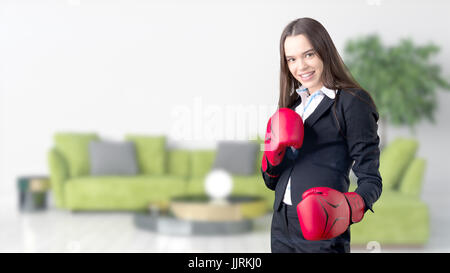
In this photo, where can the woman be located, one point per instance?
(339, 132)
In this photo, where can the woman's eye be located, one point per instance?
(308, 55)
(290, 59)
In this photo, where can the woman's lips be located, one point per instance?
(307, 76)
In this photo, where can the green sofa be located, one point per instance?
(163, 174)
(400, 216)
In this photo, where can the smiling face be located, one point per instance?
(303, 61)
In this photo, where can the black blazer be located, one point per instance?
(328, 153)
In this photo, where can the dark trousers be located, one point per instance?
(287, 237)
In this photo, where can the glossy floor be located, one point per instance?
(55, 230)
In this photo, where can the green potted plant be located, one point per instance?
(402, 79)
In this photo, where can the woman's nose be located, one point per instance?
(301, 66)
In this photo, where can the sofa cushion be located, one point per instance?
(259, 157)
(179, 162)
(236, 157)
(411, 183)
(74, 147)
(394, 161)
(112, 158)
(201, 162)
(260, 154)
(151, 153)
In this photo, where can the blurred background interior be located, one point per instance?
(135, 126)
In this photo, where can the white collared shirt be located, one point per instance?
(305, 109)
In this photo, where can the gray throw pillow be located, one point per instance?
(236, 157)
(112, 158)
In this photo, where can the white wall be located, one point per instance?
(118, 67)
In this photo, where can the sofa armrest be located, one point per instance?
(59, 173)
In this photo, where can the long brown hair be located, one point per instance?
(335, 75)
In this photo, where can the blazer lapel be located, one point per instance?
(323, 106)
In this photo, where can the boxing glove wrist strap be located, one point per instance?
(357, 206)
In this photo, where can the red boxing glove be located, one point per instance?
(325, 213)
(284, 129)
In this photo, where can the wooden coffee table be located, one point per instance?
(199, 215)
(202, 208)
